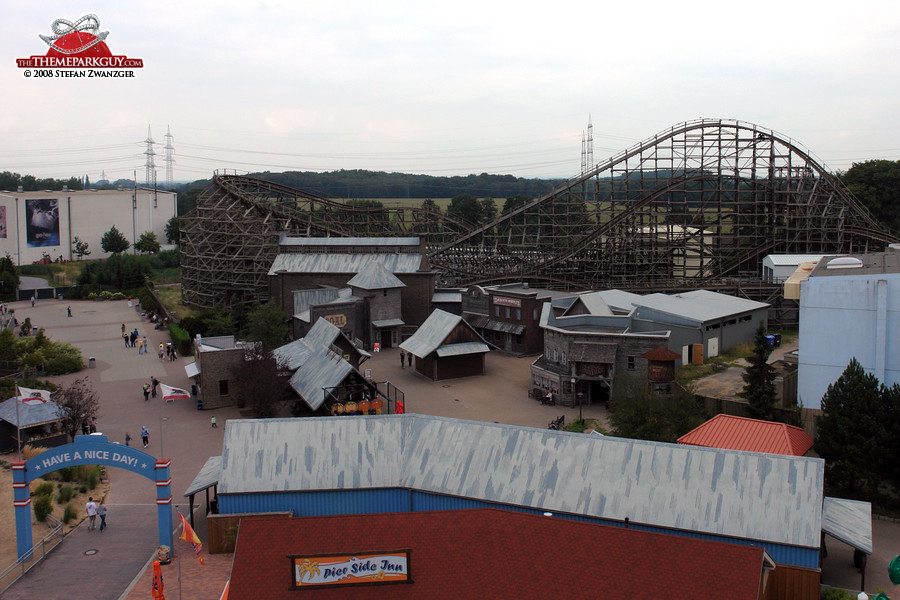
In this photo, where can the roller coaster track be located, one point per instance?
(694, 206)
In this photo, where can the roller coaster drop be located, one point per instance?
(697, 206)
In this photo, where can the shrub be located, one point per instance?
(836, 594)
(45, 488)
(181, 339)
(65, 494)
(68, 473)
(69, 514)
(93, 478)
(43, 506)
(82, 489)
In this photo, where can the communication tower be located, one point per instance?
(150, 165)
(170, 158)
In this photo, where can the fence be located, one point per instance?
(13, 572)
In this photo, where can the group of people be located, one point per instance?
(168, 350)
(149, 389)
(94, 511)
(405, 356)
(133, 338)
(145, 436)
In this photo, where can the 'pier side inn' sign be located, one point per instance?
(350, 569)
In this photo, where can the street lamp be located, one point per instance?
(575, 381)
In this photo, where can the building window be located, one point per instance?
(555, 355)
(631, 363)
(518, 314)
(562, 358)
(507, 312)
(534, 315)
(519, 340)
(223, 387)
(497, 310)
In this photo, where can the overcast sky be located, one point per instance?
(444, 88)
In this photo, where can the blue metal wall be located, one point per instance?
(360, 502)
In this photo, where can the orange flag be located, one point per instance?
(191, 537)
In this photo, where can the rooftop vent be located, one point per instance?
(844, 262)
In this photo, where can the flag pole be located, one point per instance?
(179, 556)
(18, 426)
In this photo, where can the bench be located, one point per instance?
(557, 423)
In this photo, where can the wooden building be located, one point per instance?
(446, 347)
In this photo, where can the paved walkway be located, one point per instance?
(120, 567)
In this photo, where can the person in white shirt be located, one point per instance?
(91, 508)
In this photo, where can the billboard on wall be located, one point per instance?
(42, 222)
(2, 222)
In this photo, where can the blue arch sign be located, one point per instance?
(90, 450)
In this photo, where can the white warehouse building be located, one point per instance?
(38, 224)
(849, 308)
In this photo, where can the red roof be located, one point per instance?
(496, 554)
(662, 354)
(753, 435)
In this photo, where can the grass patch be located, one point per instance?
(170, 296)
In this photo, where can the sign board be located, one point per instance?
(369, 568)
(368, 374)
(502, 301)
(336, 320)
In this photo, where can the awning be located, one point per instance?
(486, 323)
(207, 477)
(849, 521)
(388, 323)
(462, 348)
(192, 369)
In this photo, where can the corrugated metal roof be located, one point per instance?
(322, 369)
(207, 477)
(751, 435)
(699, 305)
(373, 276)
(322, 333)
(303, 299)
(29, 413)
(287, 240)
(849, 521)
(794, 260)
(462, 349)
(740, 494)
(291, 356)
(593, 302)
(388, 323)
(432, 333)
(343, 263)
(486, 322)
(442, 297)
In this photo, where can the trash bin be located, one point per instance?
(194, 390)
(92, 362)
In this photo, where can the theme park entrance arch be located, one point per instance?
(90, 450)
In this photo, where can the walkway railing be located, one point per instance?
(15, 571)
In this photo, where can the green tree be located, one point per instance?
(9, 278)
(259, 384)
(876, 183)
(266, 324)
(147, 243)
(466, 207)
(853, 434)
(639, 413)
(114, 242)
(79, 403)
(759, 379)
(81, 248)
(173, 230)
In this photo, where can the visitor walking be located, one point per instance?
(69, 310)
(154, 382)
(125, 338)
(402, 358)
(162, 350)
(127, 439)
(140, 346)
(145, 436)
(146, 390)
(409, 358)
(213, 421)
(91, 508)
(32, 302)
(101, 512)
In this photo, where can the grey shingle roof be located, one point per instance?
(433, 333)
(374, 276)
(344, 263)
(724, 492)
(30, 413)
